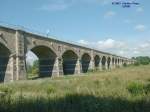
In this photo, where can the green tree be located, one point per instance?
(35, 67)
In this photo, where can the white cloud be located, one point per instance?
(139, 9)
(136, 52)
(108, 45)
(83, 42)
(31, 57)
(109, 14)
(120, 48)
(145, 45)
(140, 27)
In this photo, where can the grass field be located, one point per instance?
(120, 90)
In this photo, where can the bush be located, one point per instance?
(144, 62)
(50, 90)
(135, 88)
(137, 63)
(147, 88)
(125, 64)
(6, 90)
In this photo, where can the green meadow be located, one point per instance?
(124, 89)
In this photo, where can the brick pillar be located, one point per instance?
(106, 65)
(60, 66)
(91, 64)
(12, 68)
(9, 73)
(121, 64)
(78, 66)
(111, 66)
(20, 56)
(55, 72)
(100, 64)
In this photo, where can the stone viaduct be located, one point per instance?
(55, 57)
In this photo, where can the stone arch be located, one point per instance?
(69, 62)
(96, 61)
(46, 58)
(4, 62)
(108, 62)
(85, 60)
(104, 62)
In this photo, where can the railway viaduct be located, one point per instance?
(56, 57)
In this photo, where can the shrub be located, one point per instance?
(50, 90)
(125, 64)
(6, 90)
(135, 88)
(144, 62)
(147, 88)
(137, 63)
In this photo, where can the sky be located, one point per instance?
(94, 23)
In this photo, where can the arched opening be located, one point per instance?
(85, 62)
(4, 62)
(108, 62)
(69, 62)
(113, 62)
(96, 61)
(42, 61)
(103, 62)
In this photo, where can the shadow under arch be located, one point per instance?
(108, 62)
(113, 61)
(96, 61)
(104, 62)
(69, 62)
(85, 60)
(4, 61)
(46, 60)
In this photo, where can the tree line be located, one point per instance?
(143, 60)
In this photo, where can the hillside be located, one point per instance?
(120, 90)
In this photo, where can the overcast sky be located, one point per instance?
(94, 23)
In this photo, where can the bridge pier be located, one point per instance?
(100, 64)
(110, 64)
(78, 66)
(20, 68)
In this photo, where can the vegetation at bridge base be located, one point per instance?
(33, 69)
(143, 60)
(120, 90)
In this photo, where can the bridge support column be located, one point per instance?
(60, 66)
(106, 65)
(91, 65)
(20, 57)
(121, 64)
(78, 66)
(12, 68)
(20, 68)
(114, 64)
(9, 74)
(100, 64)
(56, 70)
(111, 65)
